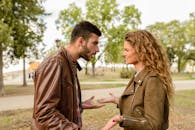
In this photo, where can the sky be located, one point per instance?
(152, 11)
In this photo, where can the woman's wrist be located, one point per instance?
(121, 119)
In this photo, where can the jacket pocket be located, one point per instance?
(139, 112)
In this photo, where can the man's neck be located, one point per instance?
(72, 50)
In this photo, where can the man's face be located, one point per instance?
(90, 47)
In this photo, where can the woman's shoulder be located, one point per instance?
(152, 77)
(152, 74)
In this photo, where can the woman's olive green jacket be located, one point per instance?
(144, 103)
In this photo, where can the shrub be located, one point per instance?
(126, 73)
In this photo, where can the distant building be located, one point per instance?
(32, 67)
(16, 76)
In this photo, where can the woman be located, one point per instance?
(144, 104)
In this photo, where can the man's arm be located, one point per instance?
(88, 104)
(48, 95)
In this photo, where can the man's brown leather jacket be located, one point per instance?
(55, 94)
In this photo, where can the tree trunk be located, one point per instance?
(93, 69)
(113, 67)
(24, 73)
(127, 67)
(86, 69)
(1, 71)
(179, 65)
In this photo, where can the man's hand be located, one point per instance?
(110, 99)
(88, 104)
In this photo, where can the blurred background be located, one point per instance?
(34, 29)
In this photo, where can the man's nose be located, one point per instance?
(97, 49)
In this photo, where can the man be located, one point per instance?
(57, 98)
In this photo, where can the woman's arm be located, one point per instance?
(111, 99)
(112, 122)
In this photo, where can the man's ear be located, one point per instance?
(80, 41)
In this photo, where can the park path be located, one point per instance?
(26, 101)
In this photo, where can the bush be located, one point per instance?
(126, 73)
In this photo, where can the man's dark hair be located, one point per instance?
(84, 29)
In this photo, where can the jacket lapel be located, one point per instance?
(141, 76)
(138, 80)
(130, 88)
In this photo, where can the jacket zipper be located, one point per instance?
(134, 97)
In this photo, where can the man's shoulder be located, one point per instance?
(60, 56)
(57, 58)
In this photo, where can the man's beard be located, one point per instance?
(84, 54)
(86, 57)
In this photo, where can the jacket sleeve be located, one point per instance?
(154, 100)
(48, 95)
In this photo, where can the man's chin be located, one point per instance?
(86, 58)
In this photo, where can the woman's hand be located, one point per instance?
(110, 99)
(112, 122)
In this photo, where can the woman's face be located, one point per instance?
(129, 54)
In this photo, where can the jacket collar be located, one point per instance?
(129, 89)
(135, 80)
(140, 77)
(67, 55)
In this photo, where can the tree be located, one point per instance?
(178, 39)
(190, 25)
(106, 15)
(67, 19)
(5, 35)
(28, 30)
(26, 27)
(113, 51)
(159, 29)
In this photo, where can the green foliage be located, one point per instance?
(5, 30)
(178, 39)
(126, 73)
(68, 18)
(111, 20)
(21, 30)
(103, 13)
(21, 27)
(130, 16)
(5, 33)
(191, 37)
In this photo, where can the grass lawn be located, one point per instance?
(18, 90)
(106, 75)
(182, 117)
(183, 76)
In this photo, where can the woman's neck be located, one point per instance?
(139, 67)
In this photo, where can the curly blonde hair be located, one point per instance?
(151, 53)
